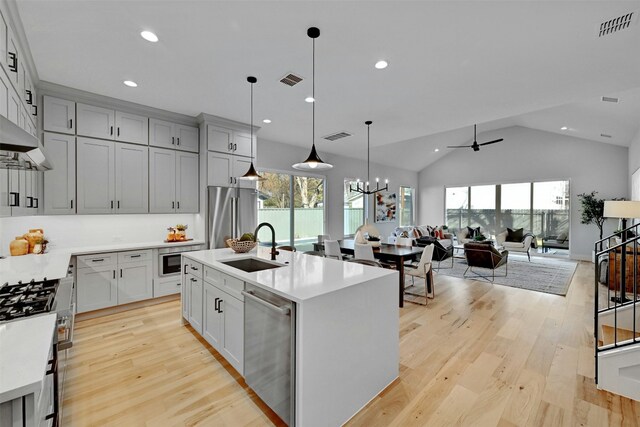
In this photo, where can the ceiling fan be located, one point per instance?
(475, 145)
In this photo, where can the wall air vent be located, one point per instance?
(291, 79)
(609, 99)
(336, 136)
(616, 24)
(604, 135)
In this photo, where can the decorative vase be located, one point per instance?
(181, 235)
(34, 235)
(19, 246)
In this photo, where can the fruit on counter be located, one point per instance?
(246, 237)
(19, 246)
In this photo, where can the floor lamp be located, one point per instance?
(622, 209)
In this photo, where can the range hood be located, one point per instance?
(19, 149)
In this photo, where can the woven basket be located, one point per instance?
(241, 246)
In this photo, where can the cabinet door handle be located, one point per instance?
(71, 203)
(178, 204)
(15, 199)
(112, 204)
(118, 130)
(29, 98)
(35, 110)
(36, 200)
(215, 304)
(178, 139)
(13, 66)
(193, 280)
(235, 147)
(29, 202)
(97, 260)
(230, 180)
(220, 306)
(173, 205)
(230, 147)
(135, 256)
(173, 140)
(185, 269)
(111, 131)
(114, 274)
(70, 123)
(194, 268)
(121, 273)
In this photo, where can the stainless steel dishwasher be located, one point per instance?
(269, 349)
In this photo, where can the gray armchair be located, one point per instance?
(523, 246)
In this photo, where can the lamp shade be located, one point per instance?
(621, 209)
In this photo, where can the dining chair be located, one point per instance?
(332, 249)
(287, 248)
(424, 271)
(363, 251)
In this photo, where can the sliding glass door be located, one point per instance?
(294, 205)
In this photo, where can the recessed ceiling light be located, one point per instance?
(130, 83)
(309, 99)
(266, 121)
(149, 36)
(381, 65)
(564, 128)
(436, 150)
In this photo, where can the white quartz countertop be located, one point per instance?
(54, 263)
(24, 355)
(301, 277)
(26, 267)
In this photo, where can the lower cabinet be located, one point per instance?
(195, 302)
(106, 280)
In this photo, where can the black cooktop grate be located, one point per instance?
(26, 299)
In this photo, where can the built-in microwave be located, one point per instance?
(169, 259)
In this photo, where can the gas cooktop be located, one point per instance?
(26, 299)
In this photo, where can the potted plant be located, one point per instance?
(592, 213)
(181, 231)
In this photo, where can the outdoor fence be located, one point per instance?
(541, 222)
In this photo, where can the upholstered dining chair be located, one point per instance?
(424, 271)
(332, 249)
(363, 251)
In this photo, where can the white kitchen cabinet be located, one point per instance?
(187, 188)
(97, 287)
(96, 176)
(135, 282)
(4, 94)
(185, 291)
(132, 128)
(167, 286)
(95, 122)
(59, 115)
(132, 178)
(219, 139)
(162, 182)
(212, 320)
(173, 181)
(3, 42)
(195, 302)
(60, 182)
(219, 167)
(161, 133)
(13, 57)
(14, 106)
(172, 135)
(232, 310)
(242, 144)
(187, 138)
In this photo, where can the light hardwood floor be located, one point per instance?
(477, 355)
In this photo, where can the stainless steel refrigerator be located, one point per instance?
(230, 213)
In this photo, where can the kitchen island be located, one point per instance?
(345, 346)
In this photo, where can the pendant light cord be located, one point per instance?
(313, 94)
(368, 150)
(251, 122)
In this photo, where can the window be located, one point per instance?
(457, 207)
(550, 208)
(515, 205)
(353, 209)
(482, 208)
(406, 208)
(297, 220)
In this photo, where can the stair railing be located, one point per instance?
(620, 298)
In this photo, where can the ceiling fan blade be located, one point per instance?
(492, 142)
(459, 146)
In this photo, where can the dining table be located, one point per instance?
(392, 254)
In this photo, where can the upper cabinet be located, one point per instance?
(172, 135)
(173, 181)
(96, 176)
(60, 182)
(95, 122)
(223, 140)
(59, 115)
(132, 128)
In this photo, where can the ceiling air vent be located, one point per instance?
(604, 135)
(609, 99)
(616, 24)
(291, 79)
(336, 136)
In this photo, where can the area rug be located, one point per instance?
(551, 276)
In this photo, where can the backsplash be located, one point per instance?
(83, 230)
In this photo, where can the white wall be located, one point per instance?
(634, 156)
(532, 155)
(82, 230)
(277, 156)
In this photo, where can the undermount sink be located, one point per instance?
(250, 265)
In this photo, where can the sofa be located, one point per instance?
(561, 241)
(524, 245)
(418, 231)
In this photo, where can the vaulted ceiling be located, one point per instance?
(451, 64)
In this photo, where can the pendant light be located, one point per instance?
(313, 162)
(251, 173)
(364, 187)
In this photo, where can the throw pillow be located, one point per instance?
(515, 235)
(416, 233)
(473, 232)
